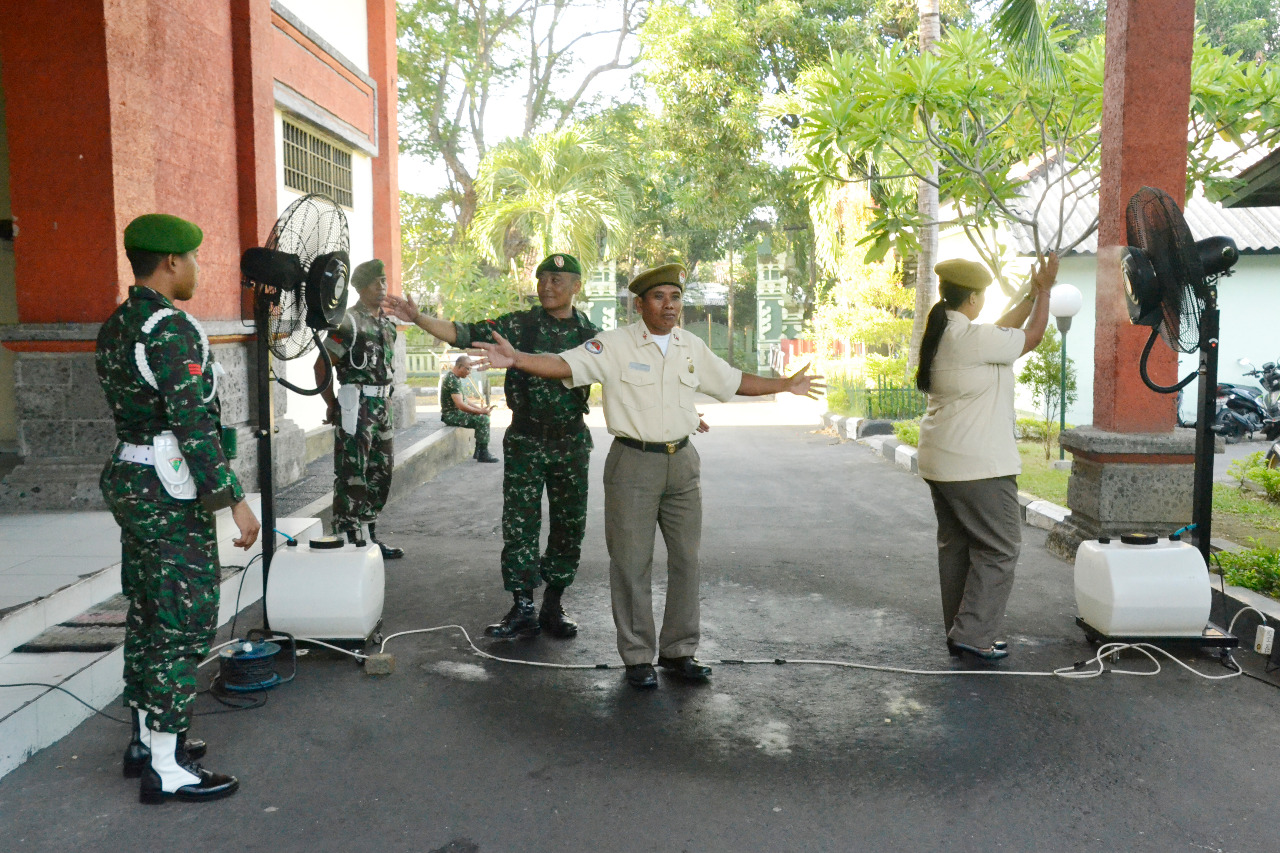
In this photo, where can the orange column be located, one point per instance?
(1144, 143)
(58, 111)
(386, 176)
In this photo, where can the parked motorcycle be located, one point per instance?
(1269, 378)
(1239, 413)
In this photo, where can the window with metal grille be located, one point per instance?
(315, 165)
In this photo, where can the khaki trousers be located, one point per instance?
(979, 537)
(643, 491)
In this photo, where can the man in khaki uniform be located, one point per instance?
(649, 372)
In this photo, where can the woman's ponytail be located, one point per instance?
(953, 296)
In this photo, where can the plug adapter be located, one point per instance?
(1265, 638)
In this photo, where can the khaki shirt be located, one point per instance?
(648, 397)
(967, 432)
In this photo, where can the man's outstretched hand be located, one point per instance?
(401, 307)
(802, 384)
(498, 354)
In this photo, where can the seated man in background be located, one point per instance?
(456, 410)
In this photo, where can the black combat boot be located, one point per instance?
(138, 753)
(388, 553)
(483, 455)
(552, 618)
(521, 620)
(355, 538)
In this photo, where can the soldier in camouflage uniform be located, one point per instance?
(363, 353)
(547, 446)
(456, 410)
(163, 483)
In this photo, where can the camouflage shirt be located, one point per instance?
(449, 386)
(546, 401)
(174, 355)
(363, 347)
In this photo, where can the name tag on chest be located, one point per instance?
(635, 365)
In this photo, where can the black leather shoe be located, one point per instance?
(552, 617)
(485, 456)
(685, 667)
(641, 676)
(999, 649)
(137, 756)
(521, 620)
(212, 786)
(388, 553)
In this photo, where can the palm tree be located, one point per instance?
(559, 191)
(1020, 25)
(926, 203)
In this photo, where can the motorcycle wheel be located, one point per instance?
(1273, 457)
(1231, 430)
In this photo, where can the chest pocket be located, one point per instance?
(688, 384)
(639, 389)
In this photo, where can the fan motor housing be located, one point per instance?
(327, 290)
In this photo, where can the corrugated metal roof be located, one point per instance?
(1255, 229)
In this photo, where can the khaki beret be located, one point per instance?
(561, 262)
(366, 274)
(665, 274)
(162, 234)
(966, 274)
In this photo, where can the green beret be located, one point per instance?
(665, 274)
(966, 274)
(367, 273)
(162, 234)
(559, 263)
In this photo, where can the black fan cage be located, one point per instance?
(311, 226)
(1155, 224)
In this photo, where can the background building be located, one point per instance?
(222, 113)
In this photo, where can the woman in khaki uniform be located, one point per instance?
(968, 453)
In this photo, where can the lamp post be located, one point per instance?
(1065, 302)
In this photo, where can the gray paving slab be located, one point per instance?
(813, 548)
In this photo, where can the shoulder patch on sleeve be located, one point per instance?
(594, 346)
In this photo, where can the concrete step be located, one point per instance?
(80, 551)
(32, 718)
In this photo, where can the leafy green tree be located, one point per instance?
(1008, 141)
(1250, 28)
(449, 275)
(457, 56)
(1042, 375)
(559, 191)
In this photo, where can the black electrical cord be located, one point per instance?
(240, 589)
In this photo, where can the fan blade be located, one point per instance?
(270, 268)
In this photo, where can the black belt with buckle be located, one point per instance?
(653, 446)
(547, 432)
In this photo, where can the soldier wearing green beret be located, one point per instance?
(163, 483)
(649, 372)
(362, 349)
(547, 446)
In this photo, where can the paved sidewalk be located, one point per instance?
(813, 548)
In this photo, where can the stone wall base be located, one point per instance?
(1125, 483)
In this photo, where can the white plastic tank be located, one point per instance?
(335, 593)
(1142, 586)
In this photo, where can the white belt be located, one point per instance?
(375, 390)
(140, 453)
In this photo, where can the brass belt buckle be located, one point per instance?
(671, 447)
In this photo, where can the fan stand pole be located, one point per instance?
(1202, 490)
(266, 427)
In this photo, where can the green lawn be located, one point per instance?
(1239, 516)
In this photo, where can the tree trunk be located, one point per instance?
(927, 206)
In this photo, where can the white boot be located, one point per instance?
(144, 733)
(170, 775)
(164, 761)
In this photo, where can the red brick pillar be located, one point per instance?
(386, 175)
(1131, 470)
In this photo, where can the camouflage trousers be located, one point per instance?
(169, 572)
(479, 423)
(362, 466)
(530, 465)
